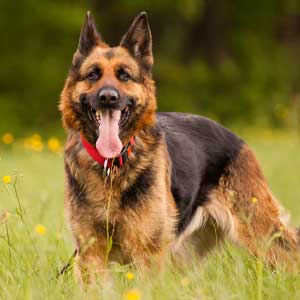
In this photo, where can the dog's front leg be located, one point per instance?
(90, 262)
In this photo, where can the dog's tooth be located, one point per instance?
(98, 114)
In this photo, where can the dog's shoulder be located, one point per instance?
(200, 149)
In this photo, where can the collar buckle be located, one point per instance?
(105, 169)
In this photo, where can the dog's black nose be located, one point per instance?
(108, 96)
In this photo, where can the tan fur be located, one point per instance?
(243, 208)
(138, 240)
(260, 225)
(148, 231)
(73, 88)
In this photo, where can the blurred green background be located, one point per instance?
(235, 61)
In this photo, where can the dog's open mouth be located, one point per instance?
(123, 119)
(95, 115)
(109, 122)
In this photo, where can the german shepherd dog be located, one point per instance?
(141, 184)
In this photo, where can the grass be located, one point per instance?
(30, 256)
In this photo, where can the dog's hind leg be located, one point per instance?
(202, 235)
(243, 206)
(208, 237)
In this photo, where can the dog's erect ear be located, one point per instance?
(89, 37)
(138, 40)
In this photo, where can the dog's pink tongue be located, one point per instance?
(109, 144)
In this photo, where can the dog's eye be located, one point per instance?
(94, 75)
(123, 75)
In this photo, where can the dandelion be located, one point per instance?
(129, 276)
(4, 215)
(8, 138)
(36, 137)
(40, 229)
(133, 294)
(37, 146)
(6, 179)
(254, 200)
(34, 143)
(54, 144)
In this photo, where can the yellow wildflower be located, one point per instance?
(54, 144)
(129, 276)
(37, 146)
(4, 215)
(40, 229)
(6, 179)
(133, 294)
(34, 143)
(36, 137)
(254, 200)
(8, 138)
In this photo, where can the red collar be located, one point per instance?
(108, 162)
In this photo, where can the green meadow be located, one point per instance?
(35, 241)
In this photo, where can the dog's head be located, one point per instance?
(109, 95)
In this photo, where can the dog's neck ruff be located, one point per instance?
(108, 163)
